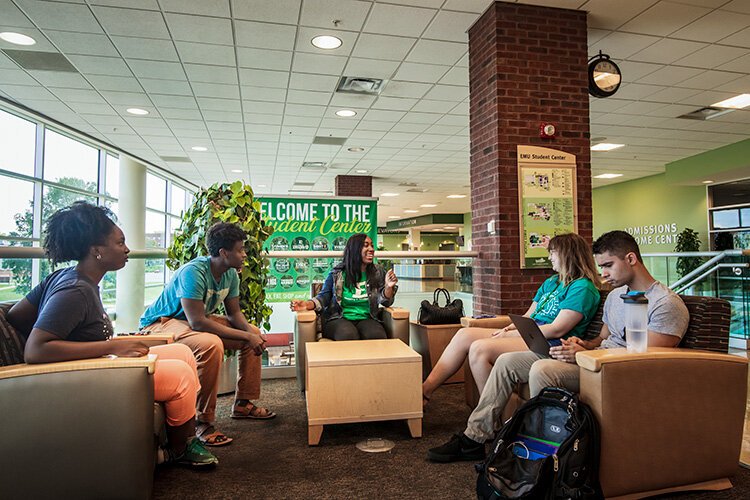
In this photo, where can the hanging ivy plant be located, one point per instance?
(233, 203)
(687, 241)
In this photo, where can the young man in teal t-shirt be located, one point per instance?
(186, 310)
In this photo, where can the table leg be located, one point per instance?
(315, 431)
(415, 427)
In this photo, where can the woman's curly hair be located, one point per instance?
(73, 230)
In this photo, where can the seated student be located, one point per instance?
(618, 256)
(63, 319)
(352, 294)
(184, 309)
(563, 307)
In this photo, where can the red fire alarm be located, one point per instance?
(547, 130)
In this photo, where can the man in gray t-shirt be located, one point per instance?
(619, 258)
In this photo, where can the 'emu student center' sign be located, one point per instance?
(303, 224)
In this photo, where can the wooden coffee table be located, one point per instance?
(362, 381)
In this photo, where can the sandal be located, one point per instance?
(249, 410)
(209, 436)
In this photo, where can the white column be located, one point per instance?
(132, 216)
(415, 239)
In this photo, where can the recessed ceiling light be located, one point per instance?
(137, 111)
(262, 185)
(428, 205)
(388, 194)
(355, 150)
(394, 217)
(236, 171)
(737, 102)
(605, 146)
(411, 211)
(449, 227)
(361, 171)
(346, 113)
(199, 148)
(708, 182)
(456, 196)
(17, 38)
(326, 42)
(607, 176)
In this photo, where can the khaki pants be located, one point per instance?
(511, 369)
(208, 349)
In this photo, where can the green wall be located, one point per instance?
(430, 242)
(652, 209)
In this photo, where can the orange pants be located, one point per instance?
(175, 381)
(208, 350)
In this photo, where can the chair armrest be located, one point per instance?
(398, 313)
(396, 323)
(496, 322)
(306, 316)
(25, 370)
(595, 360)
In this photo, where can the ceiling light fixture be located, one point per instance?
(607, 176)
(361, 171)
(428, 205)
(708, 182)
(605, 146)
(326, 42)
(356, 150)
(346, 113)
(456, 196)
(137, 111)
(17, 38)
(737, 102)
(199, 148)
(394, 217)
(387, 195)
(262, 185)
(411, 211)
(236, 171)
(449, 227)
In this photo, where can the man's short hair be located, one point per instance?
(223, 235)
(618, 243)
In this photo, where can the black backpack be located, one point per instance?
(549, 449)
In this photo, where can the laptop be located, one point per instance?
(532, 335)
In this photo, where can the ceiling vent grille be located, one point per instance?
(417, 190)
(705, 113)
(360, 85)
(314, 164)
(41, 61)
(329, 141)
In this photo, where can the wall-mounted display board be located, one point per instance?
(547, 203)
(311, 224)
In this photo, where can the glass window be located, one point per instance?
(17, 144)
(745, 217)
(15, 277)
(16, 217)
(113, 176)
(155, 223)
(70, 162)
(55, 198)
(156, 193)
(178, 200)
(174, 226)
(725, 219)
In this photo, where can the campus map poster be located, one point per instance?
(547, 201)
(311, 224)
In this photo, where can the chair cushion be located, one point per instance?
(11, 343)
(710, 319)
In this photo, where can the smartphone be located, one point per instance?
(554, 342)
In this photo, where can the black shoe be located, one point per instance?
(458, 448)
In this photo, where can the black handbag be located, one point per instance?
(435, 314)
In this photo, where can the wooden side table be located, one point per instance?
(430, 341)
(150, 339)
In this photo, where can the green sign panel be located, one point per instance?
(303, 224)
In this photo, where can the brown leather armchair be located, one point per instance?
(671, 419)
(307, 329)
(78, 429)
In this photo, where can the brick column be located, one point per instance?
(527, 64)
(353, 185)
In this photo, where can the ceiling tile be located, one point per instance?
(447, 93)
(737, 6)
(394, 103)
(61, 16)
(157, 69)
(667, 51)
(476, 6)
(370, 68)
(611, 14)
(671, 95)
(392, 48)
(456, 76)
(264, 59)
(204, 53)
(146, 48)
(386, 19)
(13, 17)
(740, 65)
(318, 63)
(65, 80)
(414, 72)
(450, 26)
(211, 74)
(253, 93)
(305, 36)
(200, 29)
(263, 78)
(405, 89)
(622, 45)
(434, 52)
(712, 56)
(217, 8)
(170, 87)
(98, 65)
(319, 13)
(433, 106)
(709, 80)
(278, 11)
(132, 23)
(264, 36)
(741, 39)
(127, 99)
(664, 18)
(308, 81)
(308, 97)
(82, 43)
(215, 90)
(714, 26)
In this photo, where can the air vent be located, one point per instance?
(314, 164)
(329, 141)
(417, 190)
(176, 159)
(359, 85)
(408, 184)
(705, 113)
(300, 184)
(42, 61)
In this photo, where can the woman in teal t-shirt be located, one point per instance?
(563, 306)
(353, 293)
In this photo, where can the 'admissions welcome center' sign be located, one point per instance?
(311, 224)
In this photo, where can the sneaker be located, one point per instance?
(196, 455)
(458, 448)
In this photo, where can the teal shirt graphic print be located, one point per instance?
(354, 301)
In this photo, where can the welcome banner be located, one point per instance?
(302, 224)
